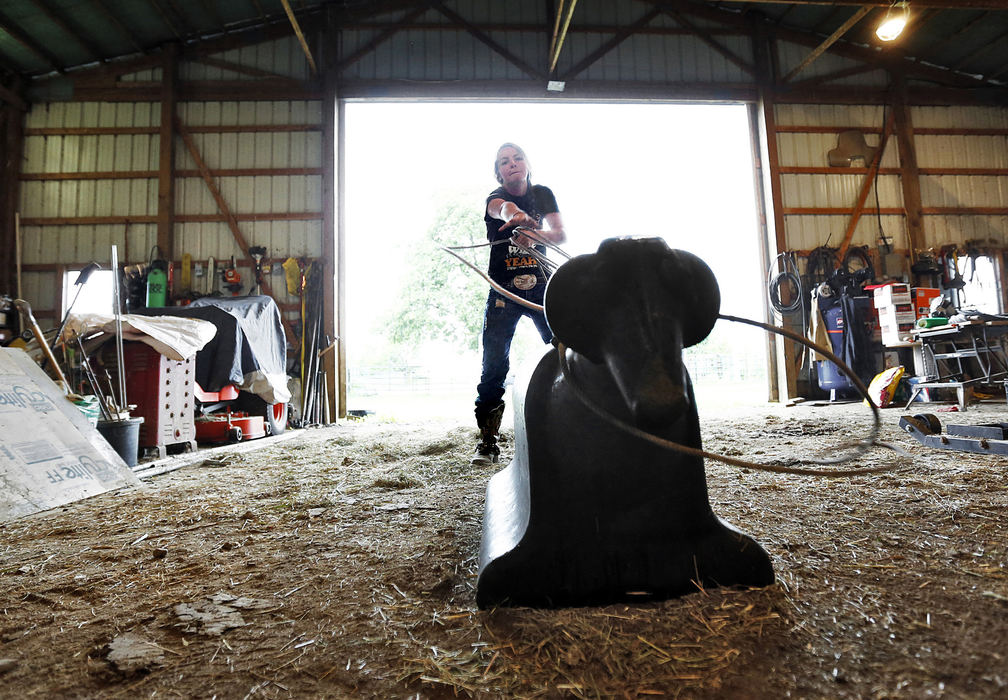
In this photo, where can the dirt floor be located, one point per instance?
(341, 562)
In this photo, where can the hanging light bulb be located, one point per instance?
(894, 21)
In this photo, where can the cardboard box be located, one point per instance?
(889, 294)
(897, 334)
(921, 298)
(900, 313)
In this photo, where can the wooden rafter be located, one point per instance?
(830, 40)
(300, 36)
(847, 50)
(379, 38)
(187, 27)
(995, 42)
(704, 36)
(242, 69)
(166, 19)
(214, 16)
(831, 76)
(11, 28)
(222, 205)
(483, 37)
(61, 21)
(114, 19)
(556, 45)
(615, 41)
(865, 189)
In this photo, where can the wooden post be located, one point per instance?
(909, 175)
(333, 224)
(11, 152)
(166, 163)
(783, 373)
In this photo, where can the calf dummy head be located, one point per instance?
(633, 306)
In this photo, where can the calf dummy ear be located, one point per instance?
(694, 291)
(573, 304)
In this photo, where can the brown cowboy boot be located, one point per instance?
(487, 451)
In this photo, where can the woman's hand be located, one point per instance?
(520, 219)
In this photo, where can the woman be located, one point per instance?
(516, 203)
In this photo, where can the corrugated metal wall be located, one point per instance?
(90, 176)
(837, 190)
(944, 151)
(936, 152)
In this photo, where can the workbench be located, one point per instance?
(961, 355)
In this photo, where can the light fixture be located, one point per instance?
(895, 20)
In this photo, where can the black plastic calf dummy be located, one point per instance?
(587, 513)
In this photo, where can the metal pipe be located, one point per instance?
(118, 326)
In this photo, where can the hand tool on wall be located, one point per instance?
(258, 252)
(232, 278)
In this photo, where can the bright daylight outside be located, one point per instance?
(417, 177)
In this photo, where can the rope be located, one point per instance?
(789, 275)
(505, 293)
(860, 254)
(860, 447)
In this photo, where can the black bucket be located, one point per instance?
(124, 437)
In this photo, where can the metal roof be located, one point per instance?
(947, 42)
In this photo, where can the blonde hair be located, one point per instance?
(521, 152)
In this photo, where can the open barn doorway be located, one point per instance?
(417, 175)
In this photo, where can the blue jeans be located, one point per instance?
(499, 323)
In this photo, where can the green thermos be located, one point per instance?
(157, 284)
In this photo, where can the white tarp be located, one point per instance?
(174, 337)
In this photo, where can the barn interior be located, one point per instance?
(228, 471)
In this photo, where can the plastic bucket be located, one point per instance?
(123, 436)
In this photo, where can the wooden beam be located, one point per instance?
(61, 21)
(113, 18)
(830, 40)
(11, 160)
(167, 20)
(334, 227)
(179, 218)
(782, 373)
(187, 27)
(828, 77)
(166, 153)
(10, 27)
(866, 186)
(483, 37)
(378, 39)
(241, 69)
(557, 46)
(705, 36)
(300, 36)
(151, 174)
(910, 179)
(215, 192)
(208, 129)
(608, 46)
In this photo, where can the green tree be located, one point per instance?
(440, 298)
